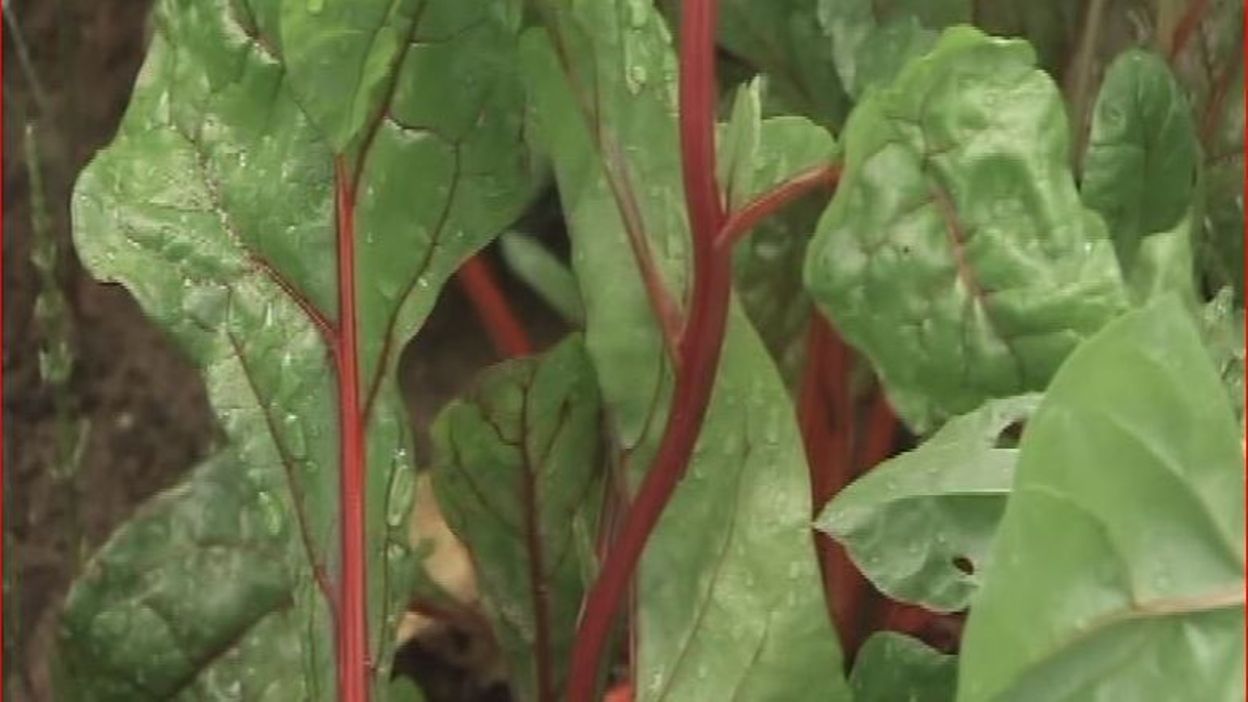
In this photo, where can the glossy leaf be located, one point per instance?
(919, 526)
(1139, 170)
(517, 471)
(216, 207)
(767, 264)
(140, 625)
(728, 599)
(956, 254)
(1118, 571)
(892, 667)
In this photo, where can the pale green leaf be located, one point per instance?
(920, 525)
(1118, 570)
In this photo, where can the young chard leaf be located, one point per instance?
(919, 526)
(517, 471)
(767, 264)
(139, 625)
(892, 667)
(545, 274)
(728, 596)
(956, 254)
(1140, 167)
(1118, 570)
(292, 241)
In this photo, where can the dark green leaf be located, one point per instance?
(1118, 570)
(956, 254)
(893, 667)
(1139, 170)
(140, 623)
(728, 598)
(517, 468)
(919, 526)
(215, 207)
(1051, 27)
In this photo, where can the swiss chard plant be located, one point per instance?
(904, 353)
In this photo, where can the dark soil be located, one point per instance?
(148, 419)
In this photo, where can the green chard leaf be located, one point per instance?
(215, 206)
(1140, 167)
(140, 624)
(891, 667)
(1222, 326)
(1051, 26)
(782, 40)
(1118, 570)
(517, 471)
(728, 597)
(956, 254)
(758, 155)
(872, 41)
(920, 525)
(545, 274)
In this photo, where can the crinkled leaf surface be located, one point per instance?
(215, 207)
(1140, 167)
(728, 595)
(956, 254)
(1222, 325)
(892, 667)
(517, 467)
(189, 600)
(871, 41)
(1118, 570)
(767, 264)
(920, 525)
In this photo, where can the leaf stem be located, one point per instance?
(501, 323)
(1186, 27)
(745, 219)
(698, 351)
(353, 660)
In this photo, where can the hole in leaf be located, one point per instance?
(1009, 437)
(964, 564)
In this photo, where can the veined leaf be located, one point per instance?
(892, 667)
(139, 624)
(517, 471)
(872, 41)
(222, 205)
(728, 596)
(1139, 170)
(1118, 570)
(920, 525)
(767, 264)
(956, 254)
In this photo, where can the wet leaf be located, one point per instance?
(139, 625)
(215, 206)
(1118, 570)
(919, 526)
(728, 599)
(517, 471)
(956, 254)
(767, 264)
